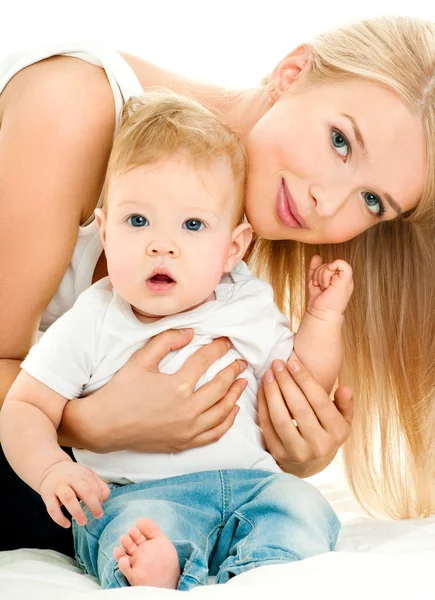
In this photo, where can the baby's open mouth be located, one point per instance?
(161, 278)
(160, 283)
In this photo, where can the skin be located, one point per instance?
(57, 123)
(339, 189)
(197, 243)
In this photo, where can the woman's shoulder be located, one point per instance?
(71, 90)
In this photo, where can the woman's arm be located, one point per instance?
(54, 143)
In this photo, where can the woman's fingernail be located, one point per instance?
(186, 330)
(244, 384)
(268, 376)
(229, 344)
(243, 364)
(294, 366)
(278, 365)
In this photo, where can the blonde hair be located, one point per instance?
(160, 123)
(389, 333)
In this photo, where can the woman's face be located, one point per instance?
(328, 161)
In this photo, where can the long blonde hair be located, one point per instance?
(389, 333)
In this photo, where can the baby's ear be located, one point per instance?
(101, 219)
(240, 240)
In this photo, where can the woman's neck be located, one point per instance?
(240, 110)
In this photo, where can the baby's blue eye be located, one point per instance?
(138, 221)
(340, 142)
(193, 224)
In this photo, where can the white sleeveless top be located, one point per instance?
(124, 84)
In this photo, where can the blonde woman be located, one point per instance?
(340, 147)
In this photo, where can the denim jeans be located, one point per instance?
(221, 522)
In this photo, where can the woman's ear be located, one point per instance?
(294, 66)
(101, 219)
(240, 240)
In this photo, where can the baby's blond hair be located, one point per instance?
(160, 123)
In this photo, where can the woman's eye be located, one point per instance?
(137, 221)
(340, 143)
(374, 204)
(193, 224)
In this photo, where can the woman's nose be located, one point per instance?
(327, 201)
(162, 248)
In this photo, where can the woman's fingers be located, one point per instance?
(305, 396)
(280, 416)
(344, 402)
(198, 363)
(214, 434)
(273, 442)
(219, 411)
(217, 388)
(296, 400)
(160, 345)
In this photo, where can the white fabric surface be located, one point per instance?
(87, 345)
(373, 560)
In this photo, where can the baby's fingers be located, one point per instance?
(54, 510)
(342, 268)
(315, 263)
(68, 497)
(88, 492)
(103, 489)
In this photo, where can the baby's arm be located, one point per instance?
(28, 431)
(318, 341)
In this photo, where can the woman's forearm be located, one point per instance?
(82, 426)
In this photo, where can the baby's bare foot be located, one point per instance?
(147, 557)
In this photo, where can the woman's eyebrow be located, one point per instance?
(359, 138)
(394, 205)
(357, 132)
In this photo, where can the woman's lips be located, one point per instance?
(287, 209)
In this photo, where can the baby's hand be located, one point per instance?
(330, 285)
(66, 482)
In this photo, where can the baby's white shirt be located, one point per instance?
(86, 346)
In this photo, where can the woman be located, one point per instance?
(339, 138)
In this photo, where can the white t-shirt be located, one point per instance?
(85, 347)
(124, 84)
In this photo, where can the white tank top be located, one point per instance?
(124, 84)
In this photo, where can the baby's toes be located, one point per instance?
(136, 536)
(128, 544)
(118, 552)
(125, 566)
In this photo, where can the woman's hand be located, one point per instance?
(144, 410)
(289, 394)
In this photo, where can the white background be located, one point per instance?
(231, 42)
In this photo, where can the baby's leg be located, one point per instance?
(282, 519)
(148, 557)
(187, 512)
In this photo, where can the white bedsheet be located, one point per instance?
(373, 559)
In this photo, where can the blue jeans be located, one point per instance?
(221, 522)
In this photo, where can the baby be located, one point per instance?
(174, 236)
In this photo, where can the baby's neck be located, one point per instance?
(148, 318)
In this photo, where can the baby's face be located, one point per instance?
(168, 234)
